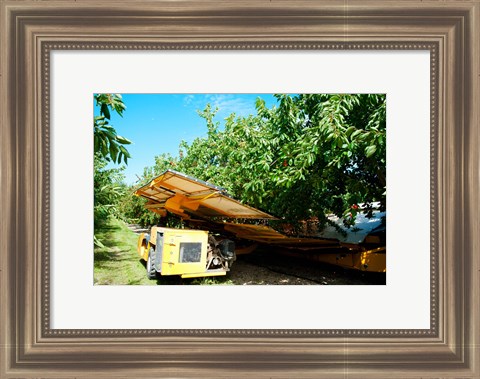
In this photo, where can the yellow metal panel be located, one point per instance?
(184, 184)
(177, 192)
(373, 261)
(363, 261)
(254, 232)
(172, 238)
(153, 235)
(266, 234)
(232, 208)
(142, 247)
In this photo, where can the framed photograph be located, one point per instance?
(424, 323)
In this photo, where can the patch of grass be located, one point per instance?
(118, 262)
(212, 280)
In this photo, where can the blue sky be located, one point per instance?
(156, 123)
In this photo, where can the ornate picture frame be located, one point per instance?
(31, 30)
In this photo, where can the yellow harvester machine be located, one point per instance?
(208, 248)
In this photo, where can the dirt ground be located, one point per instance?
(266, 267)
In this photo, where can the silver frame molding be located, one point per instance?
(31, 30)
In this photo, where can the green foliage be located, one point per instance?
(209, 281)
(108, 188)
(310, 155)
(132, 208)
(106, 141)
(108, 146)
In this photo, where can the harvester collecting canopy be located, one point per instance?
(231, 228)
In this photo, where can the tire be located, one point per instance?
(151, 271)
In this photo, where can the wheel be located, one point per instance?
(151, 272)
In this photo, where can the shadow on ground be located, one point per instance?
(316, 272)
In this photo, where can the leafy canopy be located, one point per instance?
(108, 186)
(310, 155)
(106, 141)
